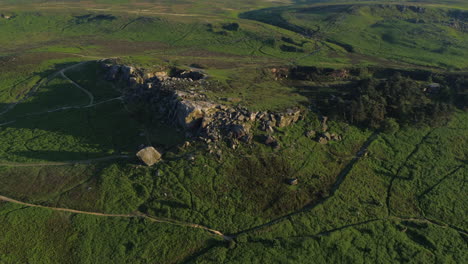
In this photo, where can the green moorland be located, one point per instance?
(391, 191)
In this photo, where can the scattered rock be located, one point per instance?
(335, 137)
(190, 157)
(294, 181)
(324, 123)
(149, 156)
(239, 131)
(291, 116)
(322, 140)
(311, 134)
(162, 76)
(271, 141)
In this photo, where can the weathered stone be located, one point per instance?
(5, 16)
(322, 140)
(324, 123)
(161, 75)
(190, 157)
(149, 75)
(233, 143)
(335, 137)
(132, 81)
(190, 114)
(290, 117)
(148, 85)
(252, 116)
(193, 75)
(261, 115)
(311, 134)
(294, 181)
(206, 122)
(149, 156)
(238, 131)
(112, 73)
(271, 141)
(127, 71)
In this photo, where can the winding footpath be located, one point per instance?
(63, 163)
(90, 95)
(45, 80)
(136, 215)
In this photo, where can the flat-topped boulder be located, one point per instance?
(149, 156)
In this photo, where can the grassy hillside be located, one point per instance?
(76, 193)
(365, 33)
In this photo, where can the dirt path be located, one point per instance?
(136, 215)
(63, 163)
(42, 82)
(90, 95)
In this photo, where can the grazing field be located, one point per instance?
(373, 170)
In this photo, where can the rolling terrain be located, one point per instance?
(390, 76)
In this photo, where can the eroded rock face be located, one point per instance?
(149, 156)
(180, 101)
(127, 71)
(190, 114)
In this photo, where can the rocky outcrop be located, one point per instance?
(280, 73)
(149, 156)
(178, 98)
(416, 9)
(5, 16)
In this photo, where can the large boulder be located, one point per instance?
(238, 131)
(149, 156)
(190, 114)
